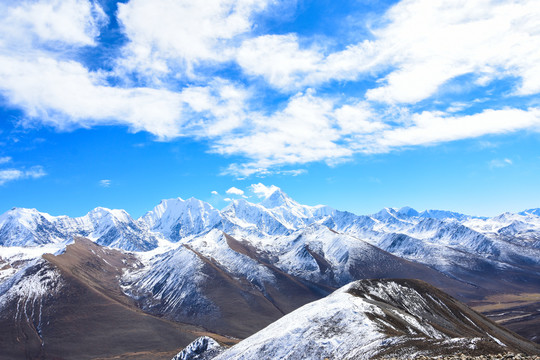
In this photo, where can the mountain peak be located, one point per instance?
(385, 213)
(24, 214)
(276, 199)
(102, 213)
(531, 212)
(18, 211)
(407, 211)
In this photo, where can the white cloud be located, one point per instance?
(294, 172)
(5, 159)
(357, 119)
(423, 44)
(227, 199)
(235, 191)
(105, 183)
(217, 109)
(420, 46)
(431, 42)
(279, 59)
(214, 192)
(431, 128)
(75, 22)
(66, 95)
(8, 175)
(286, 65)
(179, 34)
(304, 131)
(500, 163)
(262, 190)
(34, 76)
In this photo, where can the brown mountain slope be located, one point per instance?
(239, 304)
(84, 314)
(240, 308)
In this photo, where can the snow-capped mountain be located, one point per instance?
(531, 212)
(114, 228)
(292, 214)
(202, 348)
(254, 219)
(269, 276)
(237, 270)
(443, 214)
(276, 215)
(455, 244)
(177, 218)
(377, 319)
(28, 227)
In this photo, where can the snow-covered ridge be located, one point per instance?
(187, 249)
(376, 318)
(178, 218)
(202, 348)
(114, 228)
(505, 238)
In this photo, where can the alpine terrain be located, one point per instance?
(106, 285)
(370, 319)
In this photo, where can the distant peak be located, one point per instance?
(408, 211)
(276, 199)
(107, 211)
(385, 212)
(176, 206)
(18, 211)
(171, 201)
(101, 209)
(531, 212)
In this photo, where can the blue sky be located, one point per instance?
(355, 104)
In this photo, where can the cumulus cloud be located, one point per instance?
(303, 132)
(8, 175)
(163, 34)
(64, 94)
(262, 190)
(433, 42)
(279, 59)
(186, 70)
(214, 192)
(73, 22)
(235, 191)
(421, 45)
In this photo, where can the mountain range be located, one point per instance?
(190, 269)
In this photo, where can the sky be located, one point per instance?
(356, 104)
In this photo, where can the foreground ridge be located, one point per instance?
(505, 356)
(381, 319)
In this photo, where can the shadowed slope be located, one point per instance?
(83, 314)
